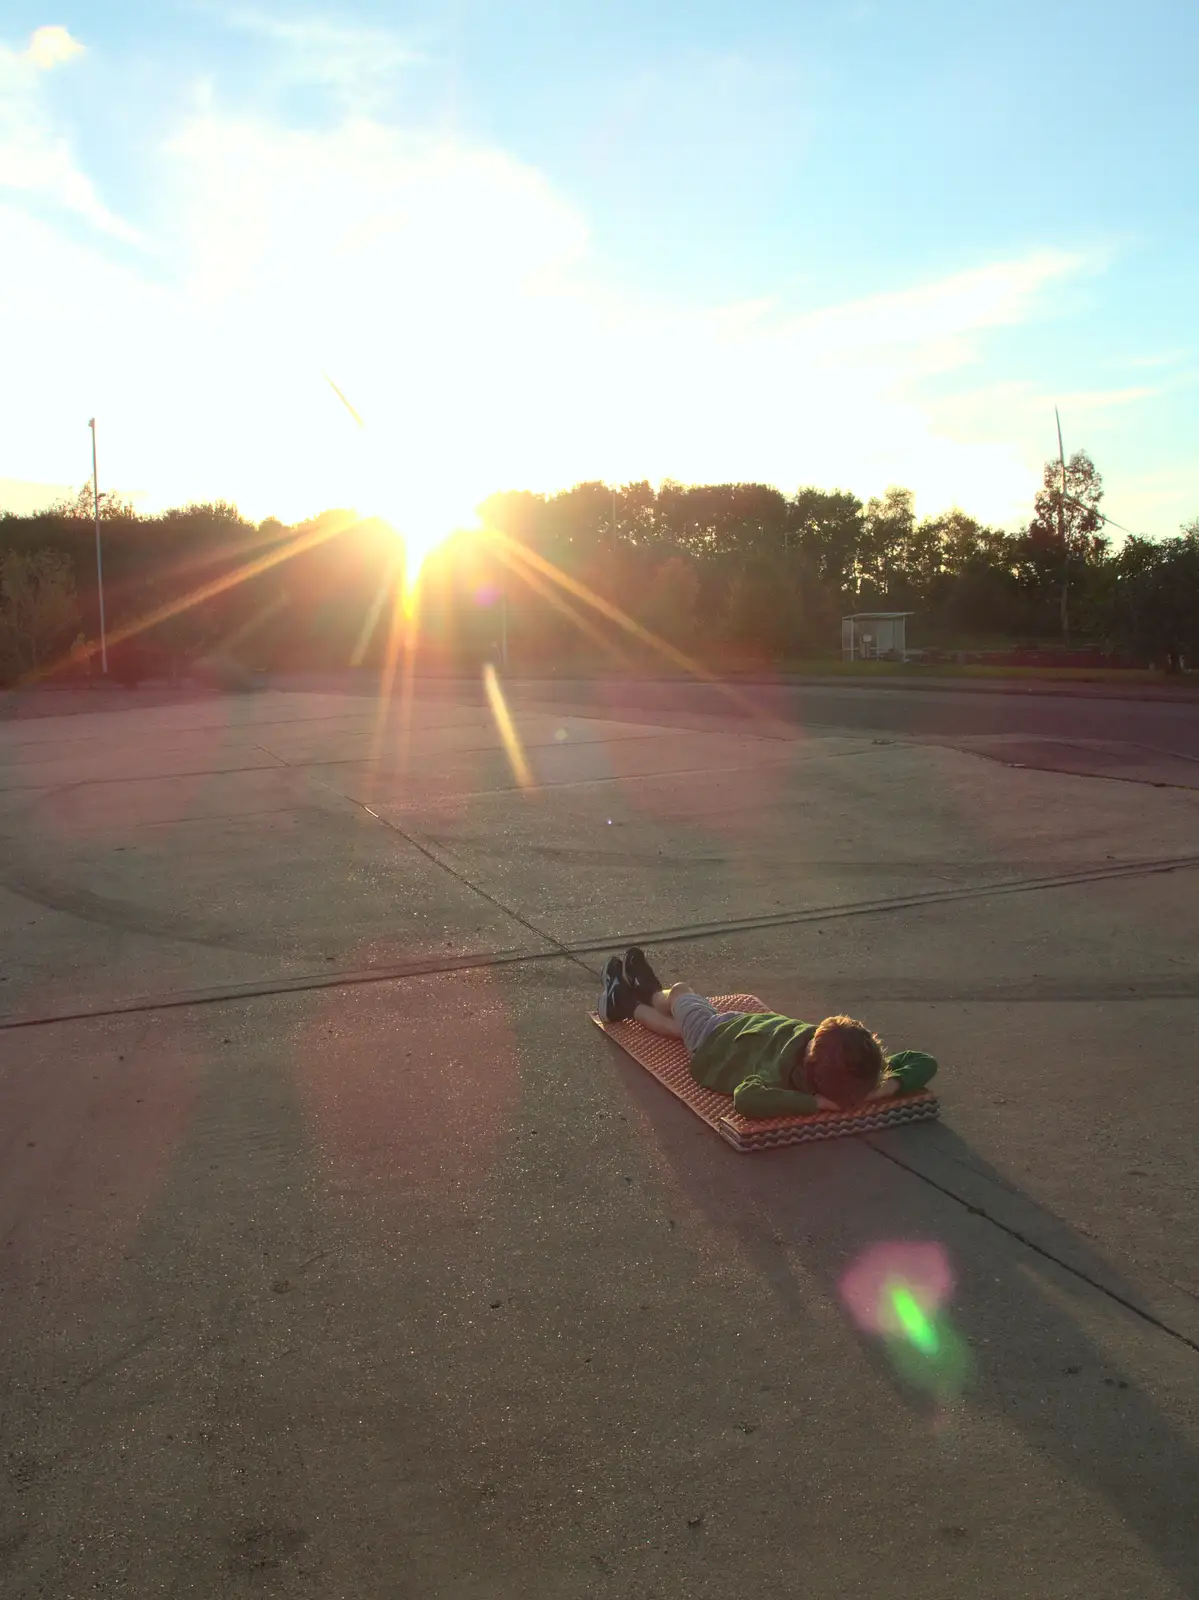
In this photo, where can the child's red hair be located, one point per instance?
(844, 1061)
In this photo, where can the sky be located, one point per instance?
(844, 244)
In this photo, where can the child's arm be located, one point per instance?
(907, 1072)
(753, 1099)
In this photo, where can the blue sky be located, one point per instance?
(849, 244)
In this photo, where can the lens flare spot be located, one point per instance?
(917, 1327)
(898, 1292)
(920, 1268)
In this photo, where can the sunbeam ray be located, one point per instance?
(252, 624)
(531, 559)
(302, 542)
(371, 621)
(541, 587)
(343, 400)
(387, 676)
(506, 728)
(408, 681)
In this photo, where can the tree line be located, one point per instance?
(729, 573)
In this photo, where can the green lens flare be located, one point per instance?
(900, 1293)
(919, 1328)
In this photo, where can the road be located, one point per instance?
(981, 711)
(341, 1255)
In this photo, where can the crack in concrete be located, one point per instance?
(573, 950)
(1038, 1249)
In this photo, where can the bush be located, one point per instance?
(670, 603)
(38, 608)
(762, 611)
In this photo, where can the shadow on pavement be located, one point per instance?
(1036, 1368)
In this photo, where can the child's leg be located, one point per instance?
(694, 1016)
(664, 998)
(658, 1020)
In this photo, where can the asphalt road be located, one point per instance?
(341, 1256)
(978, 711)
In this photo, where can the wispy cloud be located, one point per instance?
(996, 295)
(356, 62)
(35, 157)
(1106, 399)
(1165, 497)
(1167, 358)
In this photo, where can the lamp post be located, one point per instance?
(99, 561)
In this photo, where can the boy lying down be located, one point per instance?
(772, 1066)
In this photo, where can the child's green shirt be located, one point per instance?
(757, 1057)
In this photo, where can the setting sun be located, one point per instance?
(420, 536)
(421, 516)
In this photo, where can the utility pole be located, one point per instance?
(99, 561)
(1061, 533)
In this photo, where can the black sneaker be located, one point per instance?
(617, 1001)
(640, 976)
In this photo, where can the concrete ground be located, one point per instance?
(341, 1256)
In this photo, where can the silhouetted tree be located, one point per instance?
(889, 526)
(1158, 598)
(827, 527)
(669, 607)
(1064, 536)
(766, 572)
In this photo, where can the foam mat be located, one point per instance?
(666, 1060)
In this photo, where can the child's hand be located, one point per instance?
(887, 1088)
(823, 1103)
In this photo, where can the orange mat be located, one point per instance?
(666, 1060)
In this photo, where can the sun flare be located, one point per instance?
(421, 535)
(421, 515)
